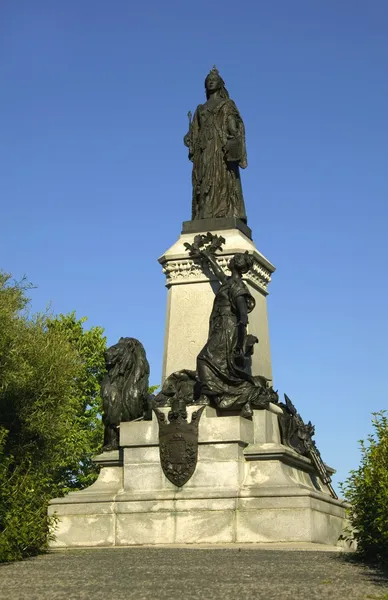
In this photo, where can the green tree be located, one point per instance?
(50, 370)
(366, 489)
(88, 431)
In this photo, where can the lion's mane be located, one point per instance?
(124, 389)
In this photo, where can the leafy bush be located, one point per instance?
(50, 370)
(84, 397)
(366, 489)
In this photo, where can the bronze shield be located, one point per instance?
(178, 445)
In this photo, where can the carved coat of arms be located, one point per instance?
(178, 444)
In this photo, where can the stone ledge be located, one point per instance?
(113, 458)
(285, 491)
(278, 452)
(252, 495)
(85, 507)
(79, 498)
(281, 546)
(176, 493)
(212, 429)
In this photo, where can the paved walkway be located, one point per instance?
(191, 574)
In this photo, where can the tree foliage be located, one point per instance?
(50, 371)
(366, 489)
(84, 397)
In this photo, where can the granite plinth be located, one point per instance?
(247, 488)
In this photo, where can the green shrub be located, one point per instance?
(24, 496)
(50, 371)
(366, 489)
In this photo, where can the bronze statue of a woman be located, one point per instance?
(223, 363)
(216, 142)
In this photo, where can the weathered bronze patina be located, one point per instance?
(124, 389)
(216, 142)
(178, 442)
(223, 365)
(299, 436)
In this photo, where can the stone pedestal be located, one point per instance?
(191, 294)
(247, 488)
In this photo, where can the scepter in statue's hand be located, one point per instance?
(187, 138)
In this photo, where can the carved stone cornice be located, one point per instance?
(186, 270)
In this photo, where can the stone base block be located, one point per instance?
(85, 526)
(247, 488)
(123, 524)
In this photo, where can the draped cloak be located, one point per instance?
(220, 377)
(217, 154)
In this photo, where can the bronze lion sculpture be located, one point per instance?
(124, 389)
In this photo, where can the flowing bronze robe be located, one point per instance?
(217, 149)
(230, 386)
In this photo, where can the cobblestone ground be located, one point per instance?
(188, 574)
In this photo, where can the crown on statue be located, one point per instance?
(214, 71)
(212, 74)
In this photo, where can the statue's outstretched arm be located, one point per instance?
(210, 259)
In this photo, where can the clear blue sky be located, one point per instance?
(95, 181)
